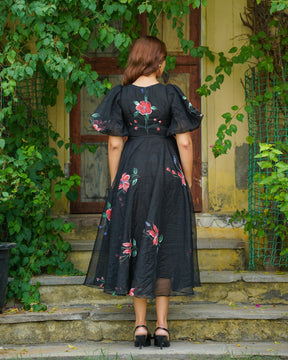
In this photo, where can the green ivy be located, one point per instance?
(27, 168)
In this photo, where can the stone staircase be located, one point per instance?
(231, 305)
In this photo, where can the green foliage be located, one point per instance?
(273, 193)
(27, 167)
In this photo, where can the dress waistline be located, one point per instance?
(148, 136)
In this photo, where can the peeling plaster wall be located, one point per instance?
(225, 188)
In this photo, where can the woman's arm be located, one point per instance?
(184, 143)
(115, 147)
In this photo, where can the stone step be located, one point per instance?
(180, 350)
(222, 287)
(214, 254)
(197, 322)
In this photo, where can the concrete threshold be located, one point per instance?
(188, 350)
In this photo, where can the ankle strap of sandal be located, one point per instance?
(162, 328)
(139, 326)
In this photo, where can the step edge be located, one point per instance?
(112, 313)
(205, 276)
(202, 244)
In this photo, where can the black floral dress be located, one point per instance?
(146, 242)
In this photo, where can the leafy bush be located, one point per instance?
(273, 190)
(27, 168)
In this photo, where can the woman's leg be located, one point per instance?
(162, 305)
(140, 307)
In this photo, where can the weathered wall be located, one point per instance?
(225, 188)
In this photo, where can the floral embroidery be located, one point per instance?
(124, 182)
(106, 216)
(107, 213)
(179, 173)
(131, 292)
(153, 233)
(101, 281)
(97, 124)
(145, 108)
(127, 180)
(128, 249)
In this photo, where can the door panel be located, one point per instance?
(93, 168)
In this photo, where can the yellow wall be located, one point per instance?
(221, 28)
(59, 119)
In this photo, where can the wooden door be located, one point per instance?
(93, 168)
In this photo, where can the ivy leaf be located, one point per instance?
(248, 109)
(250, 140)
(240, 117)
(141, 8)
(118, 40)
(233, 50)
(209, 78)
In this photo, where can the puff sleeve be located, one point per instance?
(108, 117)
(184, 117)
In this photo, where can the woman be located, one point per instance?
(146, 242)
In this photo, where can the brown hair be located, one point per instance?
(144, 59)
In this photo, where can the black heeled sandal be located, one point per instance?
(142, 340)
(161, 340)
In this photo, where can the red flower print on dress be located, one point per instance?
(124, 182)
(97, 125)
(131, 292)
(127, 248)
(100, 281)
(144, 107)
(181, 175)
(108, 214)
(153, 233)
(179, 172)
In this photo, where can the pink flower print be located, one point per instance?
(135, 128)
(181, 175)
(127, 248)
(154, 234)
(173, 172)
(168, 169)
(131, 292)
(97, 125)
(124, 182)
(155, 119)
(158, 129)
(108, 214)
(144, 107)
